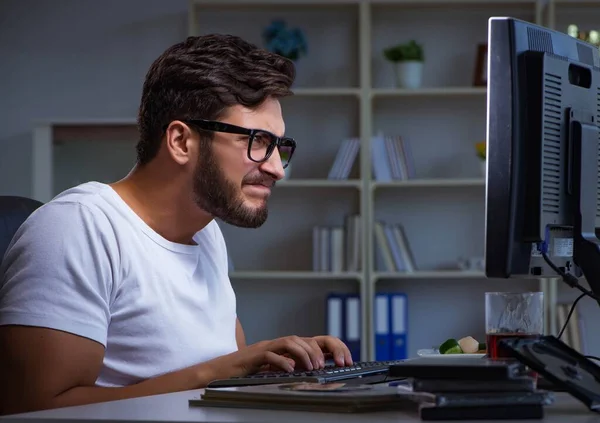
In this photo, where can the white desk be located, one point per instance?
(175, 408)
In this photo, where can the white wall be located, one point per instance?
(74, 59)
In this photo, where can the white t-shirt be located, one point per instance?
(85, 263)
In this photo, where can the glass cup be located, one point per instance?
(510, 315)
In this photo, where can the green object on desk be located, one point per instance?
(450, 347)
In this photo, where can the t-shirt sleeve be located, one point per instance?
(58, 272)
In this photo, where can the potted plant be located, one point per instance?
(480, 149)
(287, 42)
(408, 63)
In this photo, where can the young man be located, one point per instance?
(117, 291)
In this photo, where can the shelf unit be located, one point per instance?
(344, 88)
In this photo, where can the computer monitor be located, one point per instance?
(543, 161)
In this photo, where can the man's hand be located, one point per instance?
(289, 353)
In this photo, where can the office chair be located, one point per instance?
(13, 212)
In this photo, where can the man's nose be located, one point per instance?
(273, 166)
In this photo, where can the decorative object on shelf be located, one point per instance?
(480, 148)
(408, 61)
(592, 36)
(287, 42)
(470, 264)
(481, 64)
(392, 158)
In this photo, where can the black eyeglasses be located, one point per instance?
(261, 143)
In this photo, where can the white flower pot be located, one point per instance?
(409, 74)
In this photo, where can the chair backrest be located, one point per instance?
(13, 212)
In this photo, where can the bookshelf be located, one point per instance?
(345, 89)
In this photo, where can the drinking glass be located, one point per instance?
(509, 315)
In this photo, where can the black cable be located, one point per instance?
(573, 283)
(570, 279)
(569, 315)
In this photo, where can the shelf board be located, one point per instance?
(430, 183)
(275, 274)
(374, 2)
(326, 92)
(487, 3)
(428, 92)
(593, 3)
(430, 274)
(275, 2)
(319, 183)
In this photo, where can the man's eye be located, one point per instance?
(261, 140)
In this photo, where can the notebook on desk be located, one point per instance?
(304, 396)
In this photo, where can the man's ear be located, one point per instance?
(179, 142)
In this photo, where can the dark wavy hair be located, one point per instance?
(200, 78)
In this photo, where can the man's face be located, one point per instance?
(227, 184)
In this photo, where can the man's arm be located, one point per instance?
(239, 334)
(46, 368)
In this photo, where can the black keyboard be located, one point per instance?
(329, 373)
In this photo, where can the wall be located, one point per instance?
(69, 59)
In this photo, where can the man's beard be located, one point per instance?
(218, 196)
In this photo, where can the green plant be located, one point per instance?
(403, 52)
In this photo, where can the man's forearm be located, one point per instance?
(194, 377)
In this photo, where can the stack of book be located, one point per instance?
(393, 252)
(338, 248)
(391, 158)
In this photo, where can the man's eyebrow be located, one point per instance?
(280, 136)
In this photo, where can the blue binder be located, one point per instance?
(391, 316)
(352, 325)
(335, 316)
(399, 313)
(343, 320)
(382, 320)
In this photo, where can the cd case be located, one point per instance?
(561, 365)
(459, 369)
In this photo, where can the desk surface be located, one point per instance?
(175, 408)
